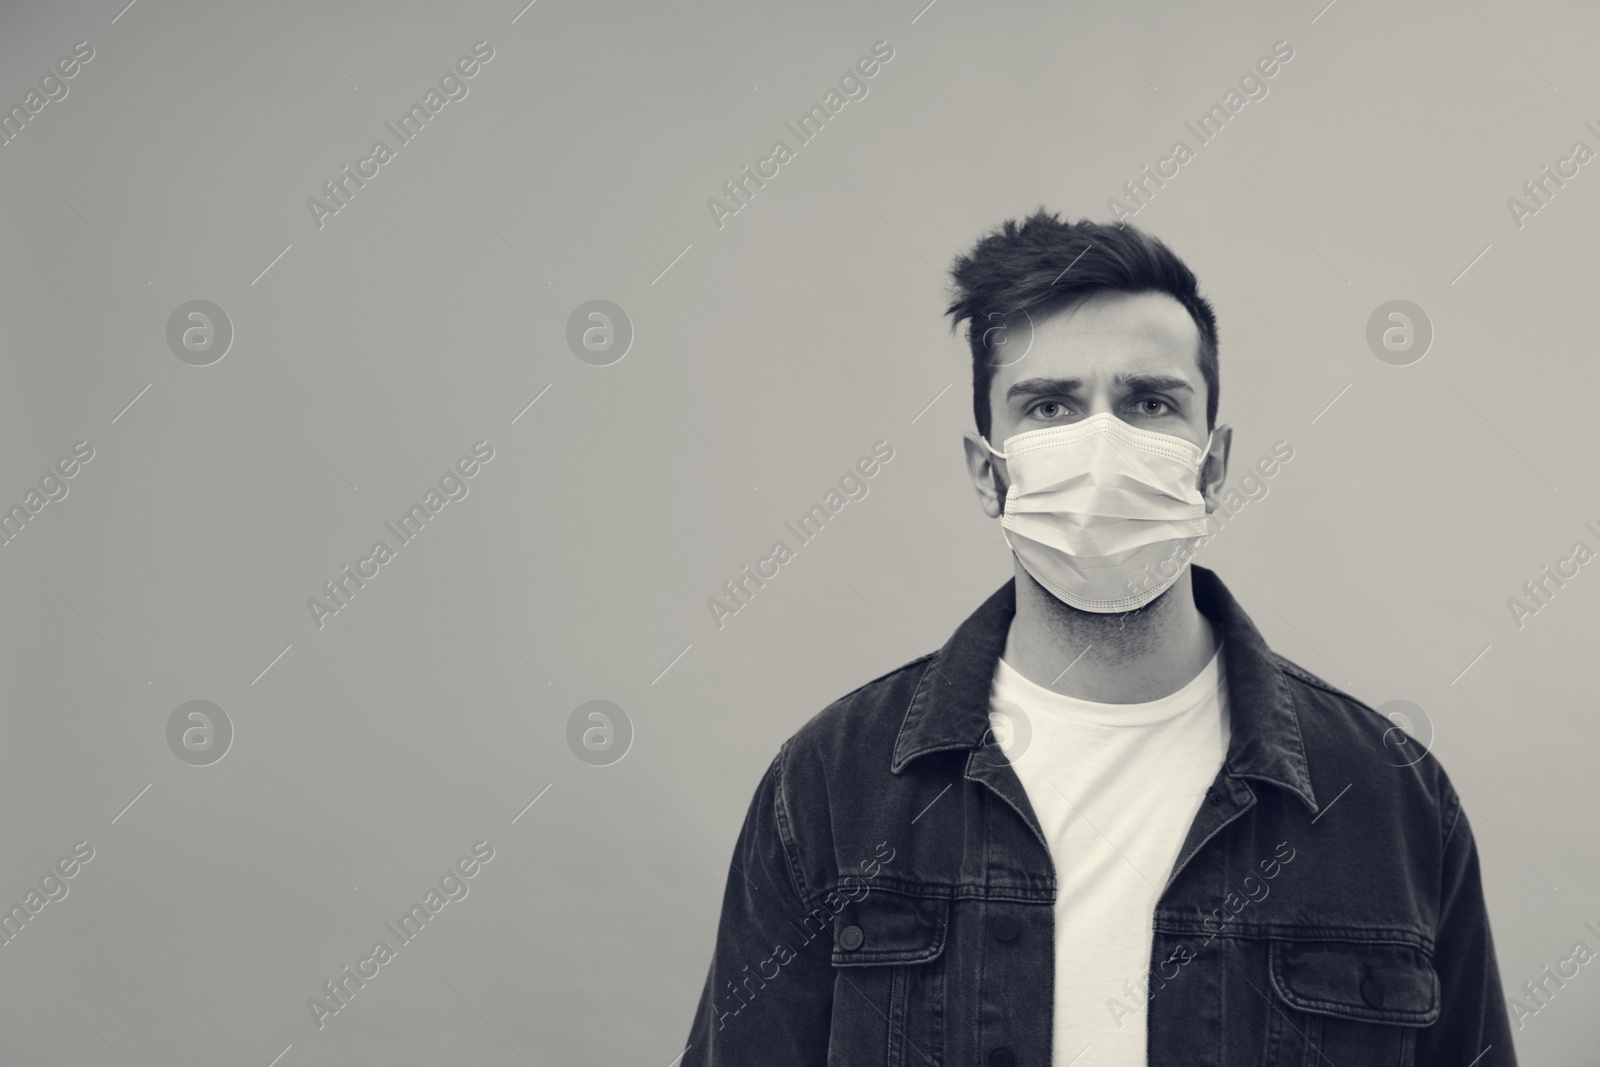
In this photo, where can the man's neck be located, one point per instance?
(1126, 658)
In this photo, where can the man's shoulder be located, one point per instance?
(864, 724)
(1343, 733)
(1344, 717)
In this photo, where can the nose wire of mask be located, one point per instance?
(1098, 510)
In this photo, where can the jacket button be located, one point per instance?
(1005, 928)
(850, 938)
(1372, 990)
(1213, 796)
(1002, 1057)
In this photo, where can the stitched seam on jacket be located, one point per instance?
(780, 806)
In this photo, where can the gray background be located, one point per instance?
(428, 313)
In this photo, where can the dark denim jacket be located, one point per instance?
(890, 896)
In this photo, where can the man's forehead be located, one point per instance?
(1150, 316)
(1109, 334)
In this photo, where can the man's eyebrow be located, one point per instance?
(1044, 387)
(1155, 382)
(1067, 386)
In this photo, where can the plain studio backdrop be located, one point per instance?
(374, 346)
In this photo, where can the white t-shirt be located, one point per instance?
(1115, 788)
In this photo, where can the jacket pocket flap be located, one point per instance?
(1383, 983)
(887, 928)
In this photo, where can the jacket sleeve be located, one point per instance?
(768, 995)
(1473, 1025)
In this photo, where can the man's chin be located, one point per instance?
(1103, 619)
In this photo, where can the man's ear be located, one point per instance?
(1214, 468)
(986, 477)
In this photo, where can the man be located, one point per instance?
(1104, 825)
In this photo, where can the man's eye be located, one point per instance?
(1049, 409)
(1151, 405)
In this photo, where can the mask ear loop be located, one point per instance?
(1007, 507)
(1205, 454)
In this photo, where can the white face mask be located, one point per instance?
(1093, 504)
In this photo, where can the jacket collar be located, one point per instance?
(950, 708)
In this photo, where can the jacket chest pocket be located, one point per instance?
(1344, 1002)
(889, 987)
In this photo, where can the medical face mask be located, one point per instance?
(1095, 505)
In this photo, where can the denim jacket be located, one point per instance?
(889, 899)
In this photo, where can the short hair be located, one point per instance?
(1046, 261)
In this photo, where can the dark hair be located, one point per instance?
(1045, 261)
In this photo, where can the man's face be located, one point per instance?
(1135, 356)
